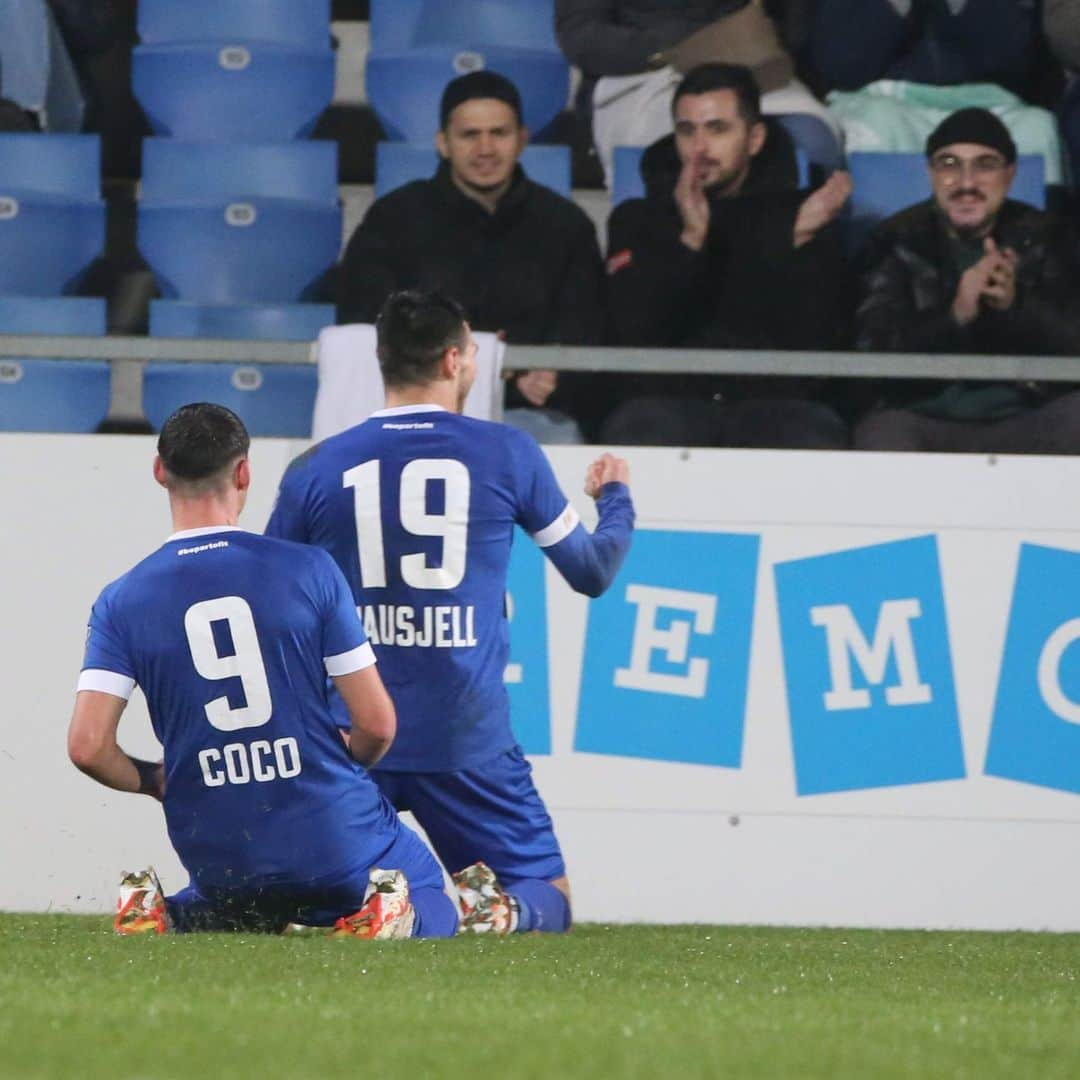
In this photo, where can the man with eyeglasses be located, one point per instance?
(971, 271)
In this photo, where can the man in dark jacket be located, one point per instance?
(971, 271)
(521, 259)
(720, 255)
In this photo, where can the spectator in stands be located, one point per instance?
(971, 271)
(99, 35)
(899, 67)
(521, 259)
(715, 257)
(631, 53)
(1061, 22)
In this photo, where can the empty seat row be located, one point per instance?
(264, 69)
(74, 395)
(217, 224)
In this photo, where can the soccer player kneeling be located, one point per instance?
(418, 506)
(231, 637)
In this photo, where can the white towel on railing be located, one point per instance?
(351, 388)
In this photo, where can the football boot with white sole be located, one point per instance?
(387, 913)
(486, 908)
(140, 907)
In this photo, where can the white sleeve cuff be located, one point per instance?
(106, 682)
(345, 663)
(559, 529)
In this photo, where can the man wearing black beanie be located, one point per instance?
(971, 271)
(520, 258)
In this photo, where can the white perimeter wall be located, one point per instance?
(644, 840)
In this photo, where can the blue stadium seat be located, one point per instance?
(285, 22)
(80, 315)
(67, 165)
(404, 86)
(393, 24)
(248, 92)
(271, 399)
(46, 242)
(53, 395)
(52, 220)
(398, 163)
(886, 183)
(276, 322)
(258, 250)
(626, 182)
(185, 171)
(519, 24)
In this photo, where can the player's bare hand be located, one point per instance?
(821, 207)
(537, 386)
(606, 469)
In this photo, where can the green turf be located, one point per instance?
(683, 1001)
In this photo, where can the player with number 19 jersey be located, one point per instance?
(418, 505)
(231, 636)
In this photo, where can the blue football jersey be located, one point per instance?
(417, 505)
(231, 636)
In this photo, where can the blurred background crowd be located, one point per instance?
(887, 176)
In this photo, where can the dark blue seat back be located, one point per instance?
(53, 395)
(248, 92)
(271, 399)
(519, 24)
(47, 242)
(286, 22)
(182, 170)
(260, 250)
(276, 322)
(62, 165)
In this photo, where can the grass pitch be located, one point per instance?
(680, 1001)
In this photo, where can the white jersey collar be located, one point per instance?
(405, 410)
(206, 530)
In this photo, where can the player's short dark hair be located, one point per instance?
(738, 78)
(414, 329)
(200, 440)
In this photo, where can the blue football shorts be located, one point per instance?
(491, 813)
(318, 901)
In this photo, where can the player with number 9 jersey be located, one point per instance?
(232, 637)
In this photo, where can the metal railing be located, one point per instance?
(575, 358)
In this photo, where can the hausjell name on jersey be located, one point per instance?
(203, 547)
(442, 626)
